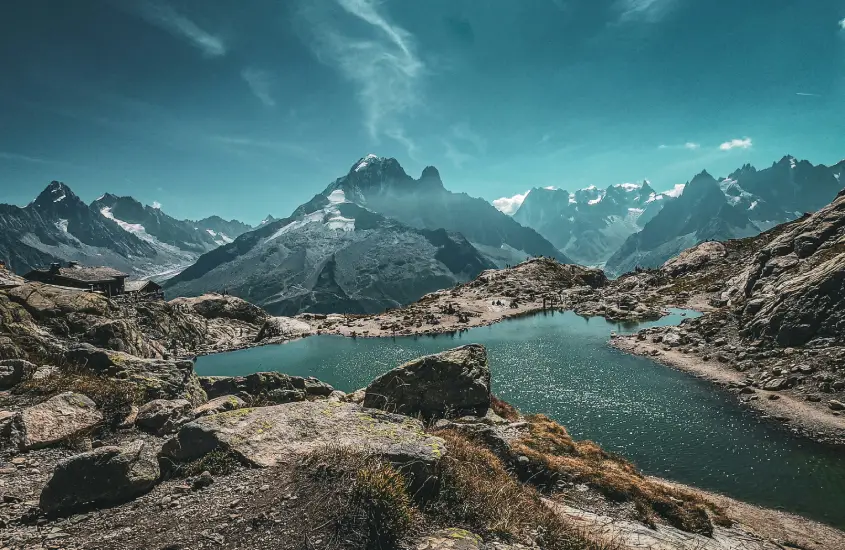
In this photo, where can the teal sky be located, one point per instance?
(247, 108)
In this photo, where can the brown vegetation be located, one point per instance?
(554, 455)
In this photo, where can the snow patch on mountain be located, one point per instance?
(62, 225)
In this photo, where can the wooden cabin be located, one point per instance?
(142, 287)
(110, 282)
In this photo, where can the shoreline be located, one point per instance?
(797, 417)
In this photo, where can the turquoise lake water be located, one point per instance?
(669, 423)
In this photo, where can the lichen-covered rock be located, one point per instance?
(162, 416)
(108, 475)
(694, 258)
(59, 418)
(121, 335)
(14, 371)
(266, 436)
(159, 378)
(218, 405)
(451, 383)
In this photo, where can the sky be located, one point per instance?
(244, 109)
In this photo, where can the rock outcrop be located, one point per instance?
(104, 476)
(451, 383)
(58, 419)
(274, 386)
(265, 436)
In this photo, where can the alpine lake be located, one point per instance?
(669, 423)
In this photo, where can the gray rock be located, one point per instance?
(836, 405)
(266, 436)
(108, 475)
(452, 383)
(775, 384)
(14, 371)
(162, 416)
(59, 418)
(218, 405)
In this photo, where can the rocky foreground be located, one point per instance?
(424, 457)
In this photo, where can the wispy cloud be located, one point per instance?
(5, 155)
(259, 84)
(463, 134)
(156, 205)
(842, 24)
(690, 146)
(806, 94)
(237, 143)
(165, 17)
(509, 205)
(649, 11)
(383, 65)
(744, 143)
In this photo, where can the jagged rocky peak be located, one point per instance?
(430, 178)
(269, 219)
(56, 192)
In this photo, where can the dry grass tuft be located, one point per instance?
(217, 463)
(479, 494)
(551, 451)
(504, 409)
(354, 500)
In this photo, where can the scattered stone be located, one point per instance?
(775, 384)
(452, 383)
(835, 405)
(108, 475)
(202, 481)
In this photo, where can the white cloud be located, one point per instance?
(842, 24)
(157, 205)
(690, 145)
(509, 205)
(383, 64)
(550, 188)
(744, 143)
(806, 94)
(642, 10)
(165, 17)
(676, 191)
(259, 84)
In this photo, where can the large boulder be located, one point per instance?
(14, 371)
(104, 476)
(267, 436)
(53, 421)
(447, 384)
(158, 378)
(163, 416)
(283, 328)
(121, 335)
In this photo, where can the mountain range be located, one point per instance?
(374, 238)
(377, 238)
(115, 231)
(629, 225)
